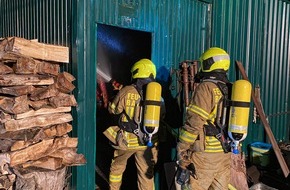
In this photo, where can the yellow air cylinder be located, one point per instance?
(152, 107)
(239, 112)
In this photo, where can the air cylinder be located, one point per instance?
(239, 112)
(152, 107)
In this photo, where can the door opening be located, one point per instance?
(117, 50)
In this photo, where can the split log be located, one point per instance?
(49, 163)
(28, 65)
(7, 178)
(43, 93)
(4, 69)
(6, 145)
(41, 149)
(14, 105)
(3, 44)
(56, 131)
(4, 159)
(63, 100)
(39, 104)
(51, 132)
(42, 111)
(47, 68)
(2, 129)
(38, 50)
(4, 117)
(41, 179)
(9, 56)
(67, 76)
(23, 64)
(7, 181)
(18, 145)
(37, 121)
(19, 135)
(64, 82)
(69, 156)
(18, 80)
(17, 90)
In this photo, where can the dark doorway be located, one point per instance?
(117, 50)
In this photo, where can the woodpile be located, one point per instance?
(35, 113)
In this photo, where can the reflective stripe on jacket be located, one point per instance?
(125, 101)
(202, 108)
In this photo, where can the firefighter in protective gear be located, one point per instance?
(202, 137)
(127, 137)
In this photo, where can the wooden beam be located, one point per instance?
(266, 124)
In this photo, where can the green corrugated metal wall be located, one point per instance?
(45, 20)
(179, 27)
(255, 32)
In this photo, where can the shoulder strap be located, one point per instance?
(220, 131)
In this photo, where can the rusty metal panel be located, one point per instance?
(256, 32)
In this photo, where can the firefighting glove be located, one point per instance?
(182, 175)
(191, 169)
(183, 159)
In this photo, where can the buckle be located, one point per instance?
(218, 136)
(136, 131)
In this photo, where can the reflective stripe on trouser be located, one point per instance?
(145, 161)
(212, 170)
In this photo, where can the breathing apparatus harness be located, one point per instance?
(217, 129)
(220, 126)
(133, 125)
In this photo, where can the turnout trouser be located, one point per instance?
(212, 171)
(144, 160)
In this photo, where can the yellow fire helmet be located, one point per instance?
(143, 68)
(215, 59)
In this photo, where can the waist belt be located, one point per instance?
(211, 130)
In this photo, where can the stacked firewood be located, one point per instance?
(35, 110)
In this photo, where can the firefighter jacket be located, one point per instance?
(202, 109)
(126, 103)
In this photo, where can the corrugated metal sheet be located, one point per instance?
(275, 73)
(179, 27)
(256, 32)
(45, 20)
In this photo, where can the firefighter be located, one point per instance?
(202, 150)
(128, 138)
